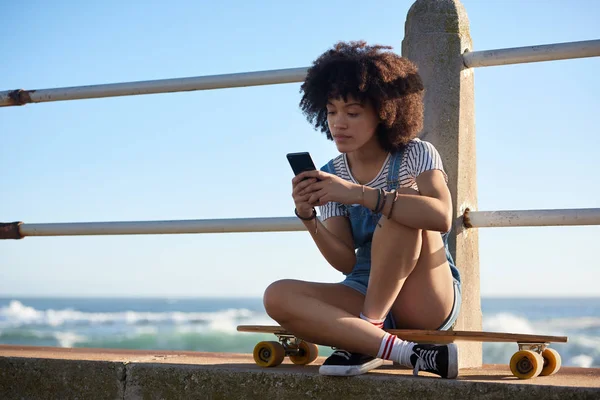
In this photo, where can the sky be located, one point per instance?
(221, 153)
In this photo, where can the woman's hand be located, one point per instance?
(324, 187)
(303, 207)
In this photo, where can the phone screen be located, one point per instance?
(301, 162)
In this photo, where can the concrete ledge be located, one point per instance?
(39, 378)
(51, 373)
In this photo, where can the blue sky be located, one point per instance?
(221, 153)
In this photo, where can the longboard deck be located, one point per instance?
(433, 336)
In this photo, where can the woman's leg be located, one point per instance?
(409, 275)
(427, 296)
(413, 279)
(322, 313)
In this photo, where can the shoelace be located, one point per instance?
(425, 361)
(342, 353)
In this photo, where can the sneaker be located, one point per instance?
(344, 363)
(440, 360)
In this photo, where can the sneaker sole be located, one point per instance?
(452, 361)
(341, 370)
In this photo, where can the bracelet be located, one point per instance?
(313, 216)
(377, 204)
(393, 202)
(381, 206)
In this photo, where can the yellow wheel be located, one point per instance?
(268, 354)
(526, 364)
(308, 353)
(552, 362)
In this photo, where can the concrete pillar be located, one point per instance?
(436, 36)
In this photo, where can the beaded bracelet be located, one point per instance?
(313, 216)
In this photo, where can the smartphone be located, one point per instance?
(301, 162)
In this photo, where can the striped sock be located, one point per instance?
(395, 349)
(377, 322)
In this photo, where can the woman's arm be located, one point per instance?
(333, 238)
(429, 210)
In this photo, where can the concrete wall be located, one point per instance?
(436, 36)
(51, 373)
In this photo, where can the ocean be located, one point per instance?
(209, 324)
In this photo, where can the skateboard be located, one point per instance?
(534, 357)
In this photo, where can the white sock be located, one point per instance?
(377, 322)
(395, 349)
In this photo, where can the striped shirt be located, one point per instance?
(419, 156)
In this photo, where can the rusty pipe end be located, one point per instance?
(11, 230)
(467, 219)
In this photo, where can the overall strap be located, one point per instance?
(331, 167)
(394, 170)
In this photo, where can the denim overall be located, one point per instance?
(364, 222)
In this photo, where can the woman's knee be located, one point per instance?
(276, 297)
(394, 228)
(392, 231)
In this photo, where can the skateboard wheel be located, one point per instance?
(552, 362)
(268, 354)
(526, 364)
(308, 353)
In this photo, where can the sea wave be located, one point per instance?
(215, 331)
(41, 338)
(583, 333)
(18, 314)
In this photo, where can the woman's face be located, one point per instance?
(352, 124)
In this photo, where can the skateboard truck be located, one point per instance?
(537, 347)
(290, 343)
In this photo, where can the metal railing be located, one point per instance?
(470, 219)
(560, 51)
(259, 78)
(520, 55)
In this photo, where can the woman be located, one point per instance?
(385, 214)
